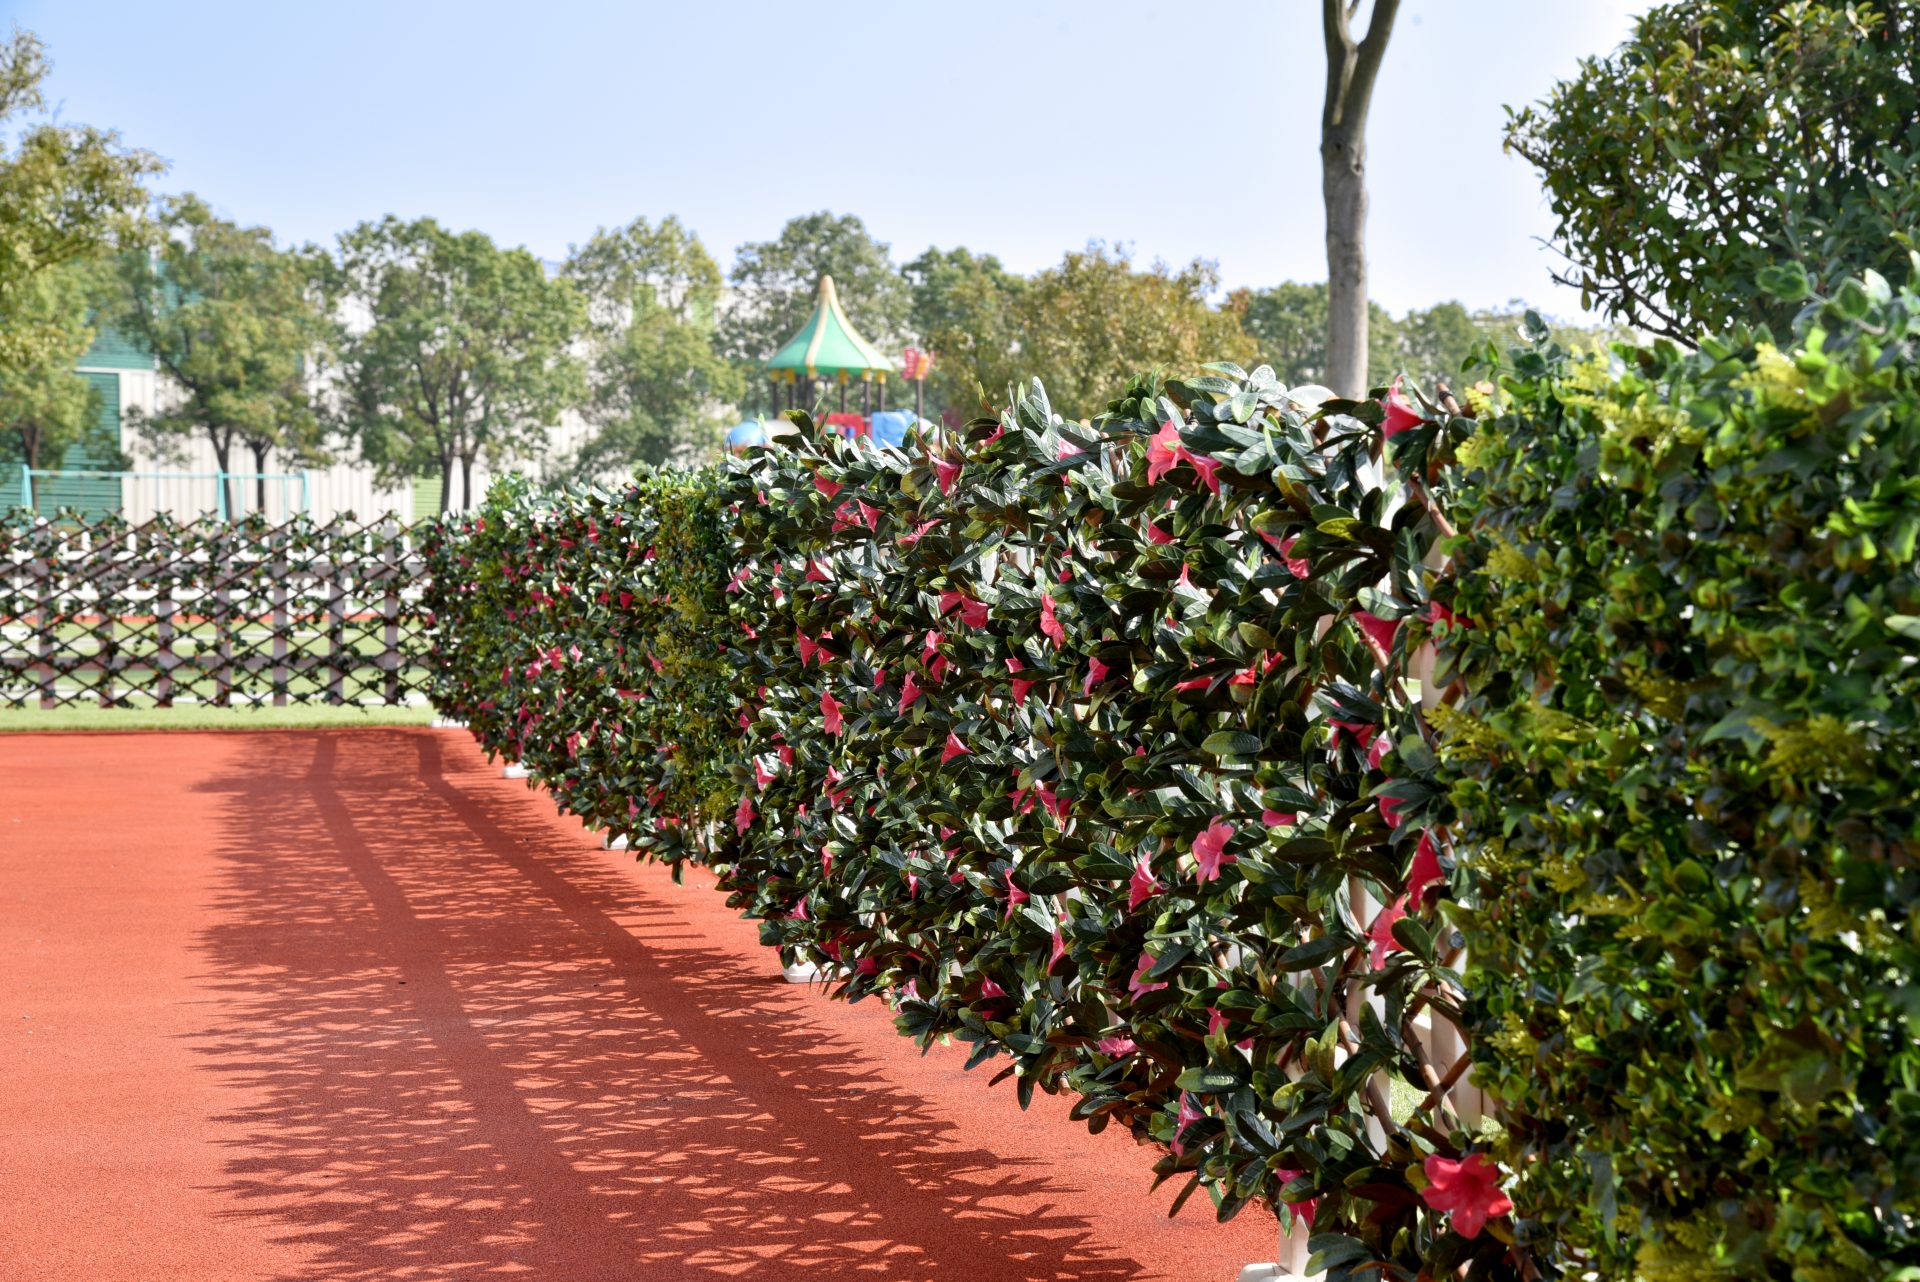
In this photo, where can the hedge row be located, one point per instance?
(1100, 748)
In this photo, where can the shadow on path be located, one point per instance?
(479, 1047)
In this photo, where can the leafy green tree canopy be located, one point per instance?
(963, 310)
(454, 348)
(1733, 158)
(66, 192)
(235, 324)
(656, 385)
(44, 406)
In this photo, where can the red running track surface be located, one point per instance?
(347, 1005)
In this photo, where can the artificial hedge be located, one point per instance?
(1100, 749)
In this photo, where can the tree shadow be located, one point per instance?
(473, 1048)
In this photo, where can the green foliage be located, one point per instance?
(1288, 324)
(1116, 665)
(233, 322)
(67, 192)
(657, 389)
(464, 351)
(1733, 158)
(776, 282)
(963, 310)
(1685, 766)
(1082, 327)
(44, 406)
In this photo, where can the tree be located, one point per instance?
(963, 310)
(1288, 325)
(234, 324)
(460, 348)
(44, 406)
(655, 382)
(1352, 67)
(1091, 323)
(66, 192)
(775, 284)
(1732, 158)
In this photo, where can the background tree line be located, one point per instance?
(1689, 199)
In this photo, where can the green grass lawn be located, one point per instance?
(203, 717)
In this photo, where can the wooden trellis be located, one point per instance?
(209, 612)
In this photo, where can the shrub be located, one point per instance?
(1685, 763)
(1086, 746)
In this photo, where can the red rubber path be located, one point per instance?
(347, 1005)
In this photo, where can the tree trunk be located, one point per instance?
(1352, 67)
(1343, 186)
(260, 476)
(466, 482)
(30, 445)
(222, 456)
(446, 481)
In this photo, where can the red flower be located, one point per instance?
(1157, 535)
(948, 473)
(830, 708)
(1381, 932)
(1208, 468)
(826, 487)
(743, 813)
(909, 691)
(974, 613)
(1015, 896)
(807, 646)
(1425, 872)
(1306, 1206)
(919, 532)
(1187, 1117)
(1296, 565)
(1468, 1189)
(1116, 1047)
(1379, 631)
(953, 749)
(1050, 625)
(1210, 849)
(1096, 673)
(1278, 818)
(1400, 415)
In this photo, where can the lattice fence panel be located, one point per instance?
(210, 612)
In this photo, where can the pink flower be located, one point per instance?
(1157, 535)
(1381, 932)
(1359, 731)
(830, 709)
(826, 862)
(761, 775)
(974, 613)
(1059, 946)
(1164, 452)
(1208, 469)
(919, 532)
(1296, 565)
(1278, 818)
(871, 515)
(953, 749)
(743, 813)
(1210, 849)
(931, 648)
(1306, 1206)
(1116, 1047)
(1096, 673)
(1015, 896)
(909, 691)
(1390, 809)
(1193, 683)
(1050, 626)
(1425, 873)
(990, 989)
(1468, 1189)
(816, 573)
(826, 487)
(1187, 1117)
(947, 473)
(1138, 985)
(1142, 886)
(1400, 417)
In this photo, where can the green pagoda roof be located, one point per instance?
(828, 345)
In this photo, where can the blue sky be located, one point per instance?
(1021, 129)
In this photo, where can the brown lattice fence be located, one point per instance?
(213, 612)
